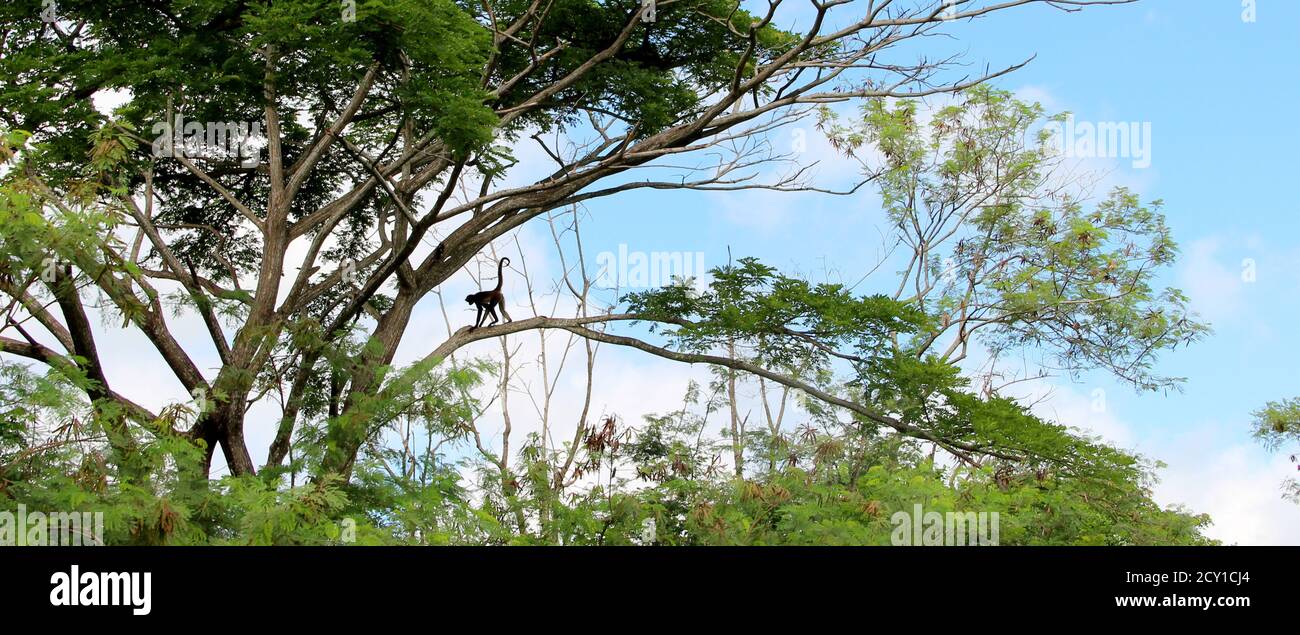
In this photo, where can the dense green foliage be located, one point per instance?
(835, 486)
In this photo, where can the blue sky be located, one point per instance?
(1219, 93)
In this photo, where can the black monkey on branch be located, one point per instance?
(488, 302)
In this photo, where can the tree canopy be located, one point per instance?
(300, 175)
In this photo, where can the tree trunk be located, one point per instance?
(737, 443)
(348, 431)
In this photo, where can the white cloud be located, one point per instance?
(1238, 485)
(1214, 288)
(1038, 94)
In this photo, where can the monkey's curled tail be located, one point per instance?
(501, 264)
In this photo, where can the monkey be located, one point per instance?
(488, 302)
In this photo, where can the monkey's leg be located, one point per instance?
(492, 309)
(503, 312)
(478, 319)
